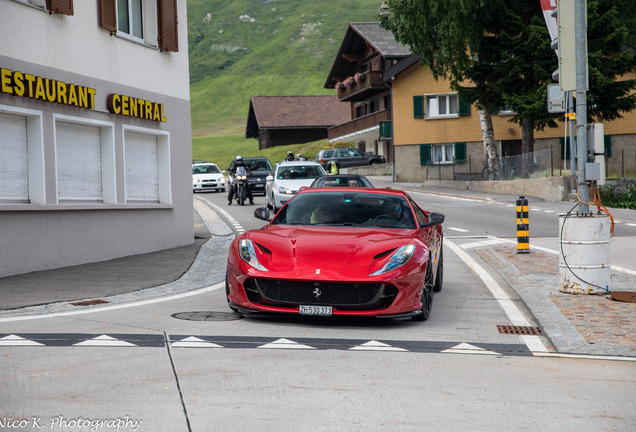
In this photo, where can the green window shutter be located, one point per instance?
(608, 145)
(418, 106)
(460, 152)
(425, 154)
(382, 127)
(389, 129)
(464, 107)
(567, 148)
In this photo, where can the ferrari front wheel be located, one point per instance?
(427, 295)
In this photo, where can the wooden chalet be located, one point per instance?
(285, 120)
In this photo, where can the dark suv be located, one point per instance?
(347, 157)
(260, 167)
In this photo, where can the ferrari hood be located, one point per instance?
(333, 250)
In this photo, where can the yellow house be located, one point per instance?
(437, 136)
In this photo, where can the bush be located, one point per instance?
(619, 195)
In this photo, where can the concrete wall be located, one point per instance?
(548, 188)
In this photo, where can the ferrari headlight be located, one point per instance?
(398, 258)
(284, 191)
(248, 254)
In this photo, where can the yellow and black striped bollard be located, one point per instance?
(523, 226)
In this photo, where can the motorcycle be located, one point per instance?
(239, 183)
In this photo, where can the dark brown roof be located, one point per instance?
(297, 112)
(356, 39)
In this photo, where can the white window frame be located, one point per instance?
(149, 29)
(164, 176)
(35, 152)
(107, 147)
(443, 153)
(432, 105)
(37, 4)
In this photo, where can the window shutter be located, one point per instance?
(142, 179)
(14, 185)
(460, 152)
(60, 6)
(464, 107)
(425, 154)
(608, 145)
(79, 162)
(418, 106)
(108, 16)
(567, 148)
(168, 25)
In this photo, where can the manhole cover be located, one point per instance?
(207, 316)
(624, 296)
(520, 330)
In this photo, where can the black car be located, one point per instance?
(260, 168)
(342, 180)
(347, 157)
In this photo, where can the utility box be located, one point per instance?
(596, 142)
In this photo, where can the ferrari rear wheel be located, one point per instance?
(227, 294)
(427, 295)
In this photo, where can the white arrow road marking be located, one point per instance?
(13, 340)
(104, 340)
(376, 346)
(464, 348)
(285, 344)
(194, 342)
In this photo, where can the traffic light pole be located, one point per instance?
(580, 23)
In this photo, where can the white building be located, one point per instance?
(95, 133)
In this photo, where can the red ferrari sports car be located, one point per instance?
(339, 251)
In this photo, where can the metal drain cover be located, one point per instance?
(520, 330)
(89, 302)
(624, 296)
(207, 316)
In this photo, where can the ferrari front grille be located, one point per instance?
(288, 293)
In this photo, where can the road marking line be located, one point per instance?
(117, 306)
(553, 252)
(464, 348)
(493, 241)
(514, 314)
(457, 229)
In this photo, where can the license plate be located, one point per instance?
(315, 310)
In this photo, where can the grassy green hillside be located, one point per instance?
(244, 48)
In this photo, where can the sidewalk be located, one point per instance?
(577, 324)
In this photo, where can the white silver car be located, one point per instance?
(287, 178)
(206, 177)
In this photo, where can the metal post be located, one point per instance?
(580, 30)
(523, 226)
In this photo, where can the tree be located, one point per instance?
(456, 39)
(611, 28)
(496, 54)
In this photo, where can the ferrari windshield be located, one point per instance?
(347, 209)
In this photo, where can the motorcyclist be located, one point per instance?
(290, 156)
(238, 162)
(300, 157)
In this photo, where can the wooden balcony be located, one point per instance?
(370, 85)
(359, 124)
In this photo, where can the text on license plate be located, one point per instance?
(315, 310)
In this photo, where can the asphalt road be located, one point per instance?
(453, 372)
